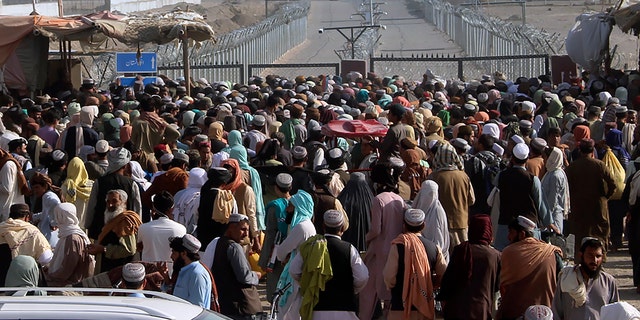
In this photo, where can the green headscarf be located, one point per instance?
(445, 117)
(23, 272)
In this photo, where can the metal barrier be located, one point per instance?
(480, 35)
(292, 70)
(464, 67)
(263, 42)
(228, 72)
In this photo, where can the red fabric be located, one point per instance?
(402, 100)
(581, 132)
(13, 30)
(237, 180)
(480, 232)
(480, 229)
(354, 128)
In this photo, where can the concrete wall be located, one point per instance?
(51, 8)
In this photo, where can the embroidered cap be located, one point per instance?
(333, 218)
(414, 217)
(133, 272)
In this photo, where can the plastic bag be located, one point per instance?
(617, 172)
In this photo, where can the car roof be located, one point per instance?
(94, 303)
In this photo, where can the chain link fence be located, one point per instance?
(227, 58)
(293, 70)
(466, 68)
(263, 42)
(480, 35)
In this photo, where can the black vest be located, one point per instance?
(515, 186)
(301, 180)
(232, 300)
(90, 138)
(323, 202)
(208, 229)
(474, 168)
(338, 294)
(106, 183)
(396, 292)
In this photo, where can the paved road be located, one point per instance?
(405, 32)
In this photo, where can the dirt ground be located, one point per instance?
(559, 17)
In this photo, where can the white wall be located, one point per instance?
(51, 8)
(46, 9)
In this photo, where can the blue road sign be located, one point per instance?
(127, 62)
(128, 81)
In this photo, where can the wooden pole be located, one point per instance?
(185, 60)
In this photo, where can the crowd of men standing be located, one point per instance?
(204, 195)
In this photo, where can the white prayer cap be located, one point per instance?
(191, 243)
(517, 139)
(235, 218)
(57, 155)
(414, 217)
(528, 106)
(521, 151)
(538, 312)
(133, 272)
(166, 158)
(526, 223)
(336, 153)
(102, 146)
(491, 129)
(298, 152)
(461, 144)
(498, 149)
(284, 180)
(539, 144)
(333, 218)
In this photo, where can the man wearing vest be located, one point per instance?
(114, 179)
(334, 268)
(232, 272)
(414, 267)
(520, 194)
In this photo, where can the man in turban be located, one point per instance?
(116, 243)
(114, 179)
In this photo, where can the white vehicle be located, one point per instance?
(96, 303)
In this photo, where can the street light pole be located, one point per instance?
(353, 37)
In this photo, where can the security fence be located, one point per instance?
(466, 68)
(480, 35)
(227, 72)
(293, 70)
(263, 42)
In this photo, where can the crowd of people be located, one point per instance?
(204, 195)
